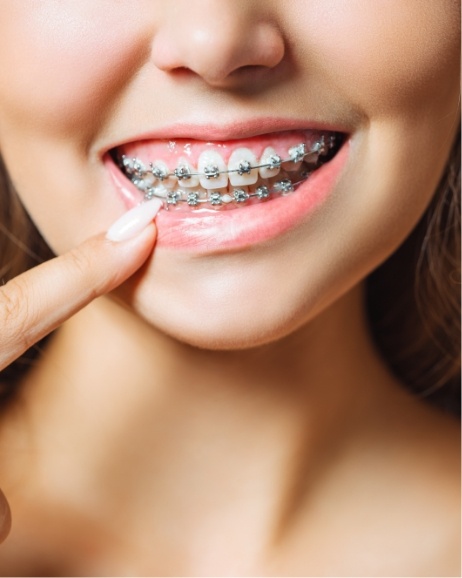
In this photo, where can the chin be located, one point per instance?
(226, 332)
(210, 314)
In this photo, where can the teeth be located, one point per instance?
(141, 184)
(149, 179)
(227, 198)
(284, 186)
(262, 192)
(158, 191)
(214, 184)
(210, 164)
(215, 198)
(127, 164)
(312, 158)
(322, 146)
(173, 197)
(160, 171)
(240, 163)
(269, 157)
(297, 153)
(184, 176)
(192, 199)
(290, 166)
(240, 195)
(144, 183)
(138, 168)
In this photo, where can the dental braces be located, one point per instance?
(135, 168)
(217, 198)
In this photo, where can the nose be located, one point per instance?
(220, 41)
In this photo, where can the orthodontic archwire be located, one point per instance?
(216, 198)
(297, 153)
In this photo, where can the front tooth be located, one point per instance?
(240, 163)
(269, 157)
(211, 163)
(182, 171)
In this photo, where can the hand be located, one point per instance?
(38, 301)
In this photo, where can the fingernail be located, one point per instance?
(134, 221)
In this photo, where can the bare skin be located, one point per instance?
(166, 430)
(254, 463)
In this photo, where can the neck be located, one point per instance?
(201, 438)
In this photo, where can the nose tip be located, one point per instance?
(218, 43)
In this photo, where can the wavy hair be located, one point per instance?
(413, 299)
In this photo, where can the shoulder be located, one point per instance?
(417, 502)
(393, 507)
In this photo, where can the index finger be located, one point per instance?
(36, 302)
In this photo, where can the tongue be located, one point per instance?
(171, 151)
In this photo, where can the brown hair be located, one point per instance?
(413, 299)
(21, 247)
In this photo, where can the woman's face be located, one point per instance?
(197, 81)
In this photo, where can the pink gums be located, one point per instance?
(171, 151)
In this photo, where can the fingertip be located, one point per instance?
(134, 221)
(136, 248)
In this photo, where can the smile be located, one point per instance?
(193, 175)
(228, 195)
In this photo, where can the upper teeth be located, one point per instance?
(242, 169)
(270, 163)
(215, 184)
(185, 173)
(212, 167)
(297, 153)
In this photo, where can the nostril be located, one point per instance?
(221, 55)
(182, 72)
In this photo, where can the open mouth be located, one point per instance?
(191, 175)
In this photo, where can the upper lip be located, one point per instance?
(228, 132)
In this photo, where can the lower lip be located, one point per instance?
(209, 231)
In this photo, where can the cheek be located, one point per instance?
(383, 55)
(73, 57)
(63, 65)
